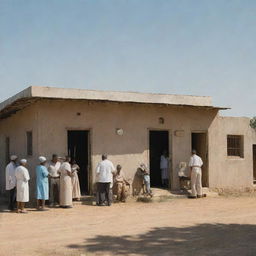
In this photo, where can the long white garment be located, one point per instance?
(10, 176)
(22, 177)
(164, 162)
(65, 185)
(105, 170)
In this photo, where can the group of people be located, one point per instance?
(56, 181)
(110, 180)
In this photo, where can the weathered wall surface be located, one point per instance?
(15, 128)
(51, 119)
(129, 150)
(226, 171)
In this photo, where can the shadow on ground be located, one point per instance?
(201, 240)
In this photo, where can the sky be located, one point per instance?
(199, 47)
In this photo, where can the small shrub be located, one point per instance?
(253, 122)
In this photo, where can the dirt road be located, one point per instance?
(210, 226)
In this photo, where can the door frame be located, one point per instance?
(207, 150)
(169, 150)
(90, 176)
(253, 163)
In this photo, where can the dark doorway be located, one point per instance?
(254, 163)
(78, 149)
(199, 143)
(158, 142)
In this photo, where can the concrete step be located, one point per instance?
(161, 195)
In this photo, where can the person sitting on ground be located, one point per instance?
(184, 179)
(22, 178)
(120, 184)
(146, 179)
(42, 184)
(76, 195)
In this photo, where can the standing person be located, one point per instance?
(104, 172)
(42, 184)
(195, 165)
(76, 195)
(120, 184)
(66, 184)
(164, 166)
(146, 179)
(22, 177)
(54, 178)
(11, 181)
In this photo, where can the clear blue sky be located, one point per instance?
(200, 47)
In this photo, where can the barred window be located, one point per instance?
(235, 145)
(29, 143)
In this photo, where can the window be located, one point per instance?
(235, 145)
(29, 143)
(7, 149)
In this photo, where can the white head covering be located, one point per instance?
(42, 159)
(13, 158)
(143, 167)
(23, 161)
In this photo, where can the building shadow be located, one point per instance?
(201, 240)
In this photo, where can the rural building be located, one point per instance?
(131, 128)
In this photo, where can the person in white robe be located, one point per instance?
(22, 177)
(164, 166)
(11, 181)
(75, 181)
(66, 187)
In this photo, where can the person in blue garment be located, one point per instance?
(42, 184)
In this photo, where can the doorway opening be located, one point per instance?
(79, 149)
(158, 142)
(254, 163)
(199, 143)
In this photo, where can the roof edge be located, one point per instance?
(121, 96)
(26, 93)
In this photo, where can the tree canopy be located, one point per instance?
(253, 122)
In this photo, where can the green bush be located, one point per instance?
(253, 122)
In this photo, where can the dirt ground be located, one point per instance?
(209, 226)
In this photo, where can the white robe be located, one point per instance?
(10, 176)
(22, 177)
(65, 185)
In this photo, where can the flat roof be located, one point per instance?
(33, 93)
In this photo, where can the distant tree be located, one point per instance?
(253, 122)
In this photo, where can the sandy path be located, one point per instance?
(212, 226)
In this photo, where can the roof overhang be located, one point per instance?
(34, 94)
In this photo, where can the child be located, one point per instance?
(146, 178)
